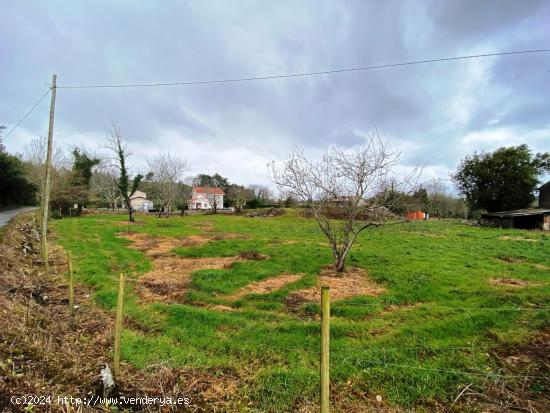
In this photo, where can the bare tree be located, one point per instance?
(214, 197)
(343, 190)
(165, 172)
(104, 187)
(34, 155)
(239, 196)
(62, 192)
(262, 193)
(121, 153)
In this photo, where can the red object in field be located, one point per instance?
(415, 215)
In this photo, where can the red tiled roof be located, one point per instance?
(207, 190)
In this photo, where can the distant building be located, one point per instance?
(205, 198)
(140, 202)
(532, 218)
(529, 218)
(413, 215)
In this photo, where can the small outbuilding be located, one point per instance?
(139, 201)
(413, 215)
(532, 218)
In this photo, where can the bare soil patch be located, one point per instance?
(205, 226)
(512, 282)
(516, 238)
(125, 223)
(541, 266)
(351, 283)
(512, 259)
(171, 275)
(266, 286)
(228, 235)
(156, 246)
(252, 255)
(283, 242)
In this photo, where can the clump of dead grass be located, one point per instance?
(512, 282)
(350, 283)
(252, 255)
(266, 286)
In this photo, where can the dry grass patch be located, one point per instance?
(205, 226)
(171, 275)
(350, 283)
(266, 286)
(155, 246)
(511, 238)
(512, 282)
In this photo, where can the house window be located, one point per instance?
(205, 205)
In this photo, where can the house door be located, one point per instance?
(198, 205)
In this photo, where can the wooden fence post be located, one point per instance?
(71, 284)
(118, 325)
(325, 348)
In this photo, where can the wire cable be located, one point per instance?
(487, 374)
(304, 74)
(27, 114)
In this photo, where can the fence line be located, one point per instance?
(339, 305)
(458, 371)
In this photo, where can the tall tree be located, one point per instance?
(126, 186)
(15, 189)
(82, 175)
(165, 172)
(503, 180)
(237, 196)
(104, 187)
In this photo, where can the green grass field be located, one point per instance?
(439, 310)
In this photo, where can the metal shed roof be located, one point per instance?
(517, 213)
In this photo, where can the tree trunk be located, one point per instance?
(340, 265)
(131, 214)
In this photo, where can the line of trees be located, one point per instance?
(83, 178)
(503, 180)
(15, 188)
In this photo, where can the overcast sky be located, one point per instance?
(434, 114)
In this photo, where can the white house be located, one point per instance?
(206, 198)
(140, 202)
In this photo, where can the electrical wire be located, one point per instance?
(27, 114)
(304, 74)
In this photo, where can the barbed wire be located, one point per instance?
(480, 374)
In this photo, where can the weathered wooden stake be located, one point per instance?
(325, 348)
(71, 284)
(118, 325)
(48, 179)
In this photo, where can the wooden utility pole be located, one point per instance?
(71, 284)
(325, 349)
(48, 179)
(118, 325)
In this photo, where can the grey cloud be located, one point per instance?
(122, 42)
